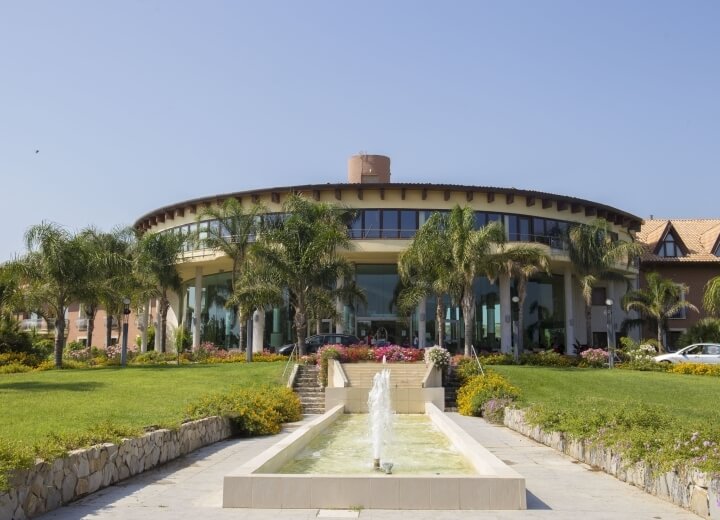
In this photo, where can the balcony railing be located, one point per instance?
(40, 325)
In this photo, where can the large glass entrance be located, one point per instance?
(385, 331)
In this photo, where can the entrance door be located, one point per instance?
(383, 331)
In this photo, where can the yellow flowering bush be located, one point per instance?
(697, 369)
(252, 411)
(478, 390)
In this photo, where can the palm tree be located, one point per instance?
(662, 299)
(299, 253)
(593, 253)
(156, 267)
(54, 274)
(471, 252)
(111, 280)
(235, 230)
(711, 298)
(520, 263)
(425, 270)
(10, 294)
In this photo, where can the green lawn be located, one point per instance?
(691, 398)
(33, 405)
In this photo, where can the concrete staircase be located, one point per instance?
(402, 375)
(452, 384)
(306, 385)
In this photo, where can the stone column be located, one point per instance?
(144, 330)
(506, 313)
(158, 332)
(258, 334)
(197, 315)
(569, 312)
(422, 322)
(276, 335)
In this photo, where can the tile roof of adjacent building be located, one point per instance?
(699, 238)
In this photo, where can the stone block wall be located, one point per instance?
(693, 490)
(49, 485)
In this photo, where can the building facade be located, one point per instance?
(389, 214)
(686, 251)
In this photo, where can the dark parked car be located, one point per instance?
(313, 343)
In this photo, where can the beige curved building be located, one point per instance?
(388, 216)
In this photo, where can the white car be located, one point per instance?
(697, 353)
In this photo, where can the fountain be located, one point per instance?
(341, 460)
(380, 414)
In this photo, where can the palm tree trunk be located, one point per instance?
(241, 329)
(661, 345)
(90, 329)
(522, 294)
(468, 308)
(588, 325)
(317, 326)
(59, 339)
(300, 327)
(163, 317)
(520, 325)
(144, 334)
(440, 320)
(108, 328)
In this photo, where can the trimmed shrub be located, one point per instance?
(20, 358)
(13, 456)
(480, 389)
(14, 368)
(594, 357)
(637, 431)
(644, 365)
(252, 411)
(497, 359)
(493, 410)
(697, 369)
(465, 368)
(547, 358)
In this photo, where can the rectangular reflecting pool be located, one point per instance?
(326, 463)
(415, 446)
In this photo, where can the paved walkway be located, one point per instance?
(191, 488)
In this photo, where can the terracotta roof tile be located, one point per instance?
(698, 236)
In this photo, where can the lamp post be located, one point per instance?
(610, 333)
(514, 333)
(126, 316)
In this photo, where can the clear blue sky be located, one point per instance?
(134, 105)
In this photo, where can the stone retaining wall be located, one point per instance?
(693, 490)
(47, 486)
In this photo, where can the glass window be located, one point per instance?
(372, 223)
(599, 295)
(669, 248)
(408, 223)
(513, 233)
(524, 229)
(538, 230)
(356, 226)
(391, 224)
(717, 249)
(480, 219)
(379, 283)
(494, 217)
